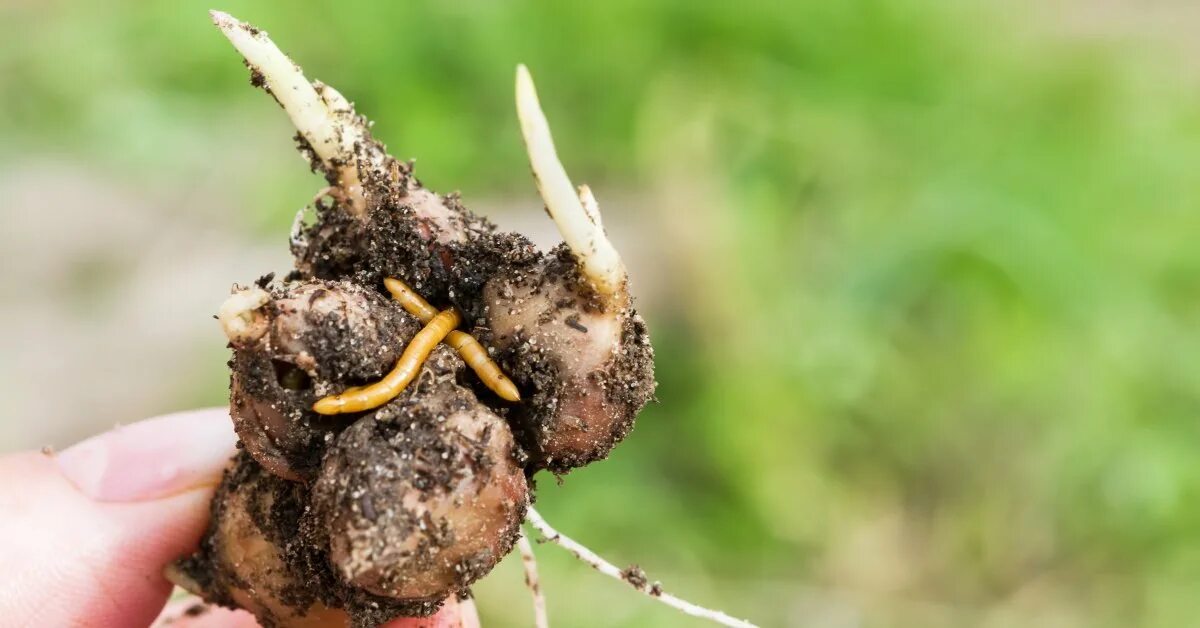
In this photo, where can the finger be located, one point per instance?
(216, 617)
(453, 614)
(191, 612)
(85, 534)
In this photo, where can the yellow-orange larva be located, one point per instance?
(473, 353)
(409, 299)
(360, 398)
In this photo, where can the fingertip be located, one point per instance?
(90, 551)
(153, 458)
(192, 612)
(469, 617)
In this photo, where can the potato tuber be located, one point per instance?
(383, 472)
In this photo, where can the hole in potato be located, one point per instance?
(290, 376)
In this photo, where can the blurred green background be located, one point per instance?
(923, 277)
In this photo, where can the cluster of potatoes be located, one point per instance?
(361, 516)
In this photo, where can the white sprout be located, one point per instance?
(240, 317)
(286, 82)
(590, 206)
(351, 129)
(531, 580)
(323, 116)
(578, 222)
(632, 576)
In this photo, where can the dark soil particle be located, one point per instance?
(447, 262)
(635, 576)
(314, 162)
(329, 248)
(449, 273)
(573, 322)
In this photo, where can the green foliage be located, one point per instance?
(926, 345)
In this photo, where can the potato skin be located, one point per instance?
(431, 242)
(588, 363)
(261, 554)
(426, 495)
(390, 510)
(319, 335)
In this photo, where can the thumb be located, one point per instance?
(84, 535)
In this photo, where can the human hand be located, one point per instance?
(85, 534)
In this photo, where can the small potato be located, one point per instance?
(588, 362)
(407, 488)
(318, 337)
(259, 556)
(426, 495)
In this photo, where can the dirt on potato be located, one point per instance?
(388, 512)
(262, 554)
(433, 243)
(361, 517)
(322, 336)
(588, 364)
(426, 495)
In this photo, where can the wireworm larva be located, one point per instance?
(360, 398)
(473, 353)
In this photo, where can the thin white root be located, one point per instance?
(579, 225)
(632, 576)
(540, 619)
(240, 317)
(320, 113)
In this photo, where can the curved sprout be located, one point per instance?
(287, 84)
(323, 116)
(578, 222)
(240, 317)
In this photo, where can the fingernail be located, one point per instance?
(152, 458)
